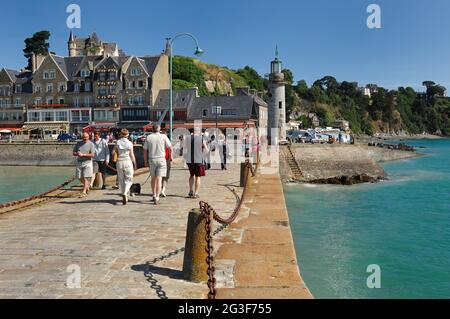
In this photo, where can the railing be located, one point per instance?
(12, 106)
(50, 105)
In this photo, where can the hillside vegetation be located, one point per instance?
(386, 111)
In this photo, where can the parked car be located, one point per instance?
(321, 139)
(300, 137)
(66, 137)
(294, 137)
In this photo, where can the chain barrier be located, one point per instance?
(150, 277)
(211, 215)
(36, 197)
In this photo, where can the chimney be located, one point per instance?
(36, 61)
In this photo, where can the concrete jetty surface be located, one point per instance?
(135, 251)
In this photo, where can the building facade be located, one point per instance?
(97, 84)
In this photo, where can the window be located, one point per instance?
(102, 76)
(76, 101)
(77, 87)
(131, 84)
(87, 87)
(102, 90)
(205, 113)
(228, 112)
(130, 100)
(139, 100)
(85, 73)
(75, 116)
(216, 110)
(112, 76)
(18, 101)
(280, 105)
(141, 84)
(61, 116)
(61, 87)
(85, 116)
(19, 88)
(52, 74)
(87, 101)
(61, 100)
(49, 100)
(136, 71)
(49, 88)
(46, 75)
(48, 116)
(37, 88)
(34, 116)
(112, 90)
(37, 101)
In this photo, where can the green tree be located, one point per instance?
(253, 79)
(37, 44)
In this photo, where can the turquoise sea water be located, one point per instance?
(20, 182)
(402, 225)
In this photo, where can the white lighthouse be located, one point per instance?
(277, 103)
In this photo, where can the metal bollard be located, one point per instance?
(194, 265)
(244, 174)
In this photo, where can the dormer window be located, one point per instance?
(19, 88)
(85, 73)
(136, 71)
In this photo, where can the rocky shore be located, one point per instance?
(341, 164)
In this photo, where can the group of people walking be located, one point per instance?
(94, 157)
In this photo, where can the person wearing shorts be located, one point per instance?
(196, 147)
(84, 151)
(155, 158)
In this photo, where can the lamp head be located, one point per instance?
(199, 52)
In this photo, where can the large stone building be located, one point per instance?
(95, 85)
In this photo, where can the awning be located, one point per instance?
(10, 129)
(100, 127)
(46, 126)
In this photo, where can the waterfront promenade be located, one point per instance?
(135, 251)
(111, 243)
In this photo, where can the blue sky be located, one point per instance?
(316, 38)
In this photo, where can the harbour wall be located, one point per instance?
(47, 154)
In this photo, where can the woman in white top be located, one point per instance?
(126, 164)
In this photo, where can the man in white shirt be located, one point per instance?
(155, 158)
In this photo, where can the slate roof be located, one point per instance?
(182, 99)
(151, 62)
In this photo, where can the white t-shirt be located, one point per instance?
(124, 146)
(156, 145)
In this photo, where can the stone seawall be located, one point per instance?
(335, 163)
(46, 154)
(259, 247)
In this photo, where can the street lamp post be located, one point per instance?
(198, 52)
